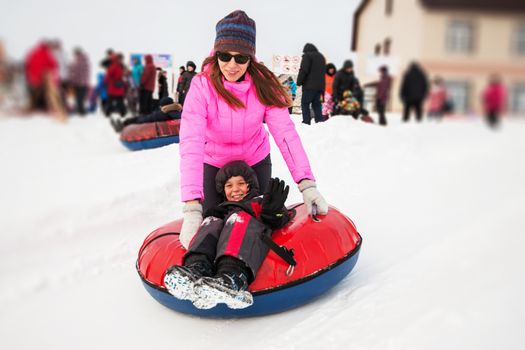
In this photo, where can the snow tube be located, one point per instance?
(150, 135)
(325, 251)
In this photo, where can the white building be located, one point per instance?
(463, 41)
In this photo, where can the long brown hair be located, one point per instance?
(268, 88)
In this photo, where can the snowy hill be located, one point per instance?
(439, 206)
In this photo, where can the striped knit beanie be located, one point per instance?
(236, 32)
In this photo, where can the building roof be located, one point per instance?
(479, 5)
(513, 6)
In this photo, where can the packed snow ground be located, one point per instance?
(440, 207)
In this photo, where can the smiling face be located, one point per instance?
(236, 188)
(232, 70)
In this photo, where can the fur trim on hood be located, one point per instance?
(237, 168)
(171, 107)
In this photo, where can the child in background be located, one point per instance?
(349, 105)
(291, 87)
(101, 92)
(328, 102)
(437, 99)
(225, 254)
(167, 110)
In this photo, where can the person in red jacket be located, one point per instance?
(147, 85)
(494, 97)
(40, 66)
(437, 99)
(116, 87)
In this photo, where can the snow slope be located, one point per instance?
(440, 208)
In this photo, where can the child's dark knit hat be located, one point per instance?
(236, 32)
(191, 64)
(237, 168)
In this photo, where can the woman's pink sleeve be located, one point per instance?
(192, 139)
(283, 131)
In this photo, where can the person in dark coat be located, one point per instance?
(79, 79)
(187, 76)
(214, 269)
(168, 110)
(116, 86)
(182, 69)
(106, 62)
(414, 90)
(163, 84)
(147, 86)
(383, 93)
(311, 78)
(345, 80)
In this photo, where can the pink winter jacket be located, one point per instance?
(214, 133)
(494, 97)
(437, 99)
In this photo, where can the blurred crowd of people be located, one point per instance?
(327, 91)
(48, 81)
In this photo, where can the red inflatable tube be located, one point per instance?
(325, 251)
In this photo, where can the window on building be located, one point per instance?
(517, 98)
(459, 93)
(389, 7)
(460, 36)
(519, 40)
(387, 46)
(377, 50)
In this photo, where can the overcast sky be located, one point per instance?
(185, 29)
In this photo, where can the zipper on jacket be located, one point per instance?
(289, 151)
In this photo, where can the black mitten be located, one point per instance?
(273, 210)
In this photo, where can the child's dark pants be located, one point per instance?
(238, 237)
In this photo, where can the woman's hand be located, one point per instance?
(311, 196)
(192, 219)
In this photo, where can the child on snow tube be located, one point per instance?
(168, 110)
(227, 250)
(349, 105)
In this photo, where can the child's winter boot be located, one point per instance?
(180, 280)
(229, 286)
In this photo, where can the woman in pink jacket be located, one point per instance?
(222, 120)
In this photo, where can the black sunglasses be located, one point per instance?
(226, 57)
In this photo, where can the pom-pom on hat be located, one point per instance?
(236, 32)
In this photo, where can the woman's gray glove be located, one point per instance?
(192, 219)
(311, 197)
